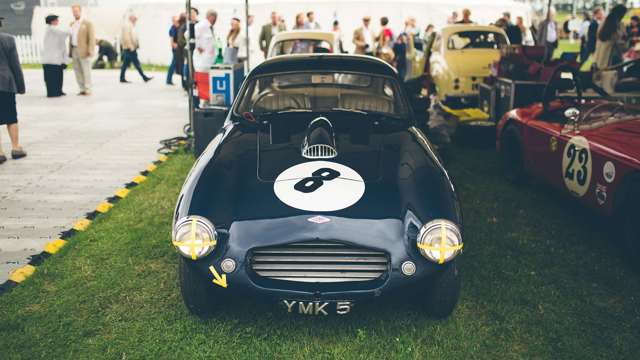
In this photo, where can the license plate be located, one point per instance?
(317, 308)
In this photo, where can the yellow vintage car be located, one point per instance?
(461, 57)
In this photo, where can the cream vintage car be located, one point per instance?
(303, 42)
(461, 57)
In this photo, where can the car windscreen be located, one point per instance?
(319, 91)
(299, 46)
(476, 40)
(607, 113)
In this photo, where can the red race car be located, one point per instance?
(588, 148)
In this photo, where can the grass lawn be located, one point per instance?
(541, 279)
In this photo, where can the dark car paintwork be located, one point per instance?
(231, 184)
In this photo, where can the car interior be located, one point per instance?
(301, 46)
(311, 92)
(476, 40)
(565, 90)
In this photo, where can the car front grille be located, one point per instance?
(319, 262)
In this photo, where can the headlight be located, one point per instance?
(439, 241)
(194, 237)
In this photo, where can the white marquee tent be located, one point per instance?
(155, 16)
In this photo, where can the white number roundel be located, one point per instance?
(576, 165)
(319, 186)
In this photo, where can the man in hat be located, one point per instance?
(363, 38)
(83, 47)
(54, 56)
(11, 82)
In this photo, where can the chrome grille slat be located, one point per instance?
(319, 261)
(319, 266)
(319, 151)
(319, 279)
(316, 251)
(313, 274)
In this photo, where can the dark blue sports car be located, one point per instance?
(319, 192)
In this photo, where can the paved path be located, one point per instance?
(81, 149)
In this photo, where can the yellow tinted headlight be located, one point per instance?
(194, 237)
(439, 241)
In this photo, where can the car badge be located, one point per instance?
(553, 144)
(319, 219)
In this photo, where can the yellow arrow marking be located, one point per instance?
(219, 280)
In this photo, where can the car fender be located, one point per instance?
(508, 118)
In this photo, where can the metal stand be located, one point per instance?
(191, 42)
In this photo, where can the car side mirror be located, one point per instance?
(572, 114)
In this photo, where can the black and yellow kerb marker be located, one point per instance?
(21, 274)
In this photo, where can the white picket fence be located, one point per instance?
(29, 49)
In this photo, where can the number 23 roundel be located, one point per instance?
(576, 165)
(319, 186)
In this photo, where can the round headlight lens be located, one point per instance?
(194, 237)
(439, 241)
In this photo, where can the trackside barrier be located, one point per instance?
(21, 274)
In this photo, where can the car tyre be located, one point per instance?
(196, 289)
(512, 155)
(630, 224)
(444, 291)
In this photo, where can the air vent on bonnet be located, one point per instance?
(319, 141)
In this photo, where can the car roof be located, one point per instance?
(456, 28)
(324, 62)
(305, 35)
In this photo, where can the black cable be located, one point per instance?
(172, 144)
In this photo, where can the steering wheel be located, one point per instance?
(552, 86)
(261, 97)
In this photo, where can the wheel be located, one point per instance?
(197, 291)
(512, 154)
(630, 216)
(443, 293)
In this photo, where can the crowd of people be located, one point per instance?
(603, 37)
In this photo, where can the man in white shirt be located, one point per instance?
(54, 56)
(205, 53)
